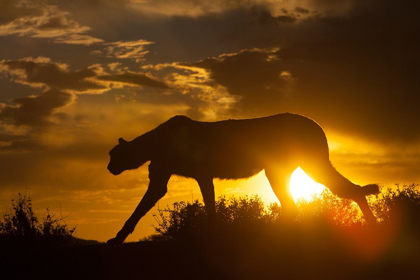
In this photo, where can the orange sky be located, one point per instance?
(76, 77)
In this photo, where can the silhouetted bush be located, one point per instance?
(21, 225)
(186, 219)
(328, 207)
(399, 206)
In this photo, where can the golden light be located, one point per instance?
(303, 187)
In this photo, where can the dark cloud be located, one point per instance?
(31, 116)
(36, 110)
(60, 86)
(134, 50)
(131, 78)
(257, 76)
(42, 71)
(353, 59)
(301, 10)
(12, 9)
(264, 17)
(356, 73)
(40, 19)
(54, 23)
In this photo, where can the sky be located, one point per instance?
(77, 75)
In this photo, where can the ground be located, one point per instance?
(296, 252)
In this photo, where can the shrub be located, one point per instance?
(190, 218)
(326, 206)
(402, 203)
(21, 224)
(187, 219)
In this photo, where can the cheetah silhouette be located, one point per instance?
(232, 149)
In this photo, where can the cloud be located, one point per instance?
(301, 10)
(12, 9)
(42, 72)
(265, 17)
(189, 8)
(35, 110)
(43, 114)
(194, 86)
(40, 20)
(77, 39)
(132, 78)
(260, 80)
(197, 8)
(354, 73)
(134, 50)
(330, 65)
(321, 64)
(59, 85)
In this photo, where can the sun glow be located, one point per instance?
(303, 187)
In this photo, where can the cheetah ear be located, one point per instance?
(121, 141)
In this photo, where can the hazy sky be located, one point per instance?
(77, 75)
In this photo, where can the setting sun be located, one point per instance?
(302, 186)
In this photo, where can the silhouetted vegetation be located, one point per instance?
(22, 226)
(187, 219)
(327, 240)
(401, 203)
